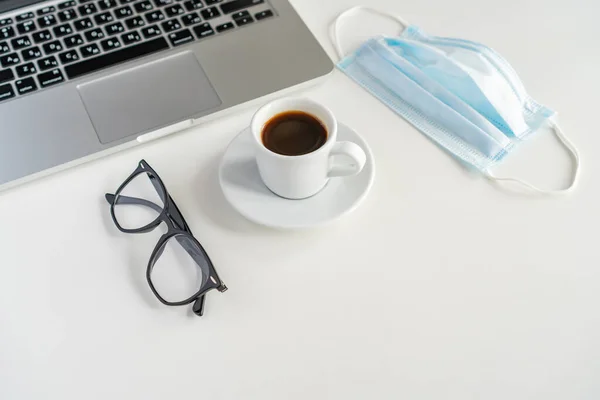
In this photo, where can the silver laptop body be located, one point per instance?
(81, 79)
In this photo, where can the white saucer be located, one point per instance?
(244, 189)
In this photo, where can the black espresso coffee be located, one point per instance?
(294, 133)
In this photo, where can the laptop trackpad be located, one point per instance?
(148, 97)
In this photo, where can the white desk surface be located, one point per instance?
(440, 286)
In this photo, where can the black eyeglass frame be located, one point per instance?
(176, 227)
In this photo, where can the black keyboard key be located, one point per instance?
(21, 43)
(24, 16)
(154, 16)
(225, 27)
(191, 19)
(131, 37)
(171, 25)
(110, 44)
(182, 37)
(103, 18)
(84, 23)
(6, 75)
(68, 56)
(263, 15)
(9, 60)
(62, 30)
(126, 1)
(94, 34)
(26, 27)
(160, 3)
(116, 57)
(211, 2)
(203, 30)
(151, 31)
(67, 15)
(193, 5)
(174, 10)
(25, 86)
(26, 69)
(50, 78)
(244, 21)
(89, 50)
(72, 41)
(115, 28)
(31, 53)
(124, 12)
(47, 63)
(209, 13)
(107, 4)
(240, 14)
(47, 20)
(135, 22)
(6, 21)
(66, 4)
(7, 32)
(46, 10)
(87, 9)
(238, 5)
(41, 36)
(4, 48)
(143, 6)
(52, 47)
(6, 92)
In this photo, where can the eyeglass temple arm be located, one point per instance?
(177, 217)
(132, 200)
(174, 212)
(198, 306)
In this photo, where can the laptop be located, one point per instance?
(80, 79)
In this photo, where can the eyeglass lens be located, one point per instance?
(132, 215)
(177, 273)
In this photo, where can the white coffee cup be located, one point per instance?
(298, 177)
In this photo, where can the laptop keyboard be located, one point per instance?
(53, 44)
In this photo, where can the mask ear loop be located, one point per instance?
(335, 34)
(569, 146)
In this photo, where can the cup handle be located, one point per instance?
(349, 149)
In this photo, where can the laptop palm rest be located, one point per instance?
(148, 97)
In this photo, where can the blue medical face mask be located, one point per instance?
(461, 94)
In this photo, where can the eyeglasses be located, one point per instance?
(179, 271)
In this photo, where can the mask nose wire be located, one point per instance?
(335, 31)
